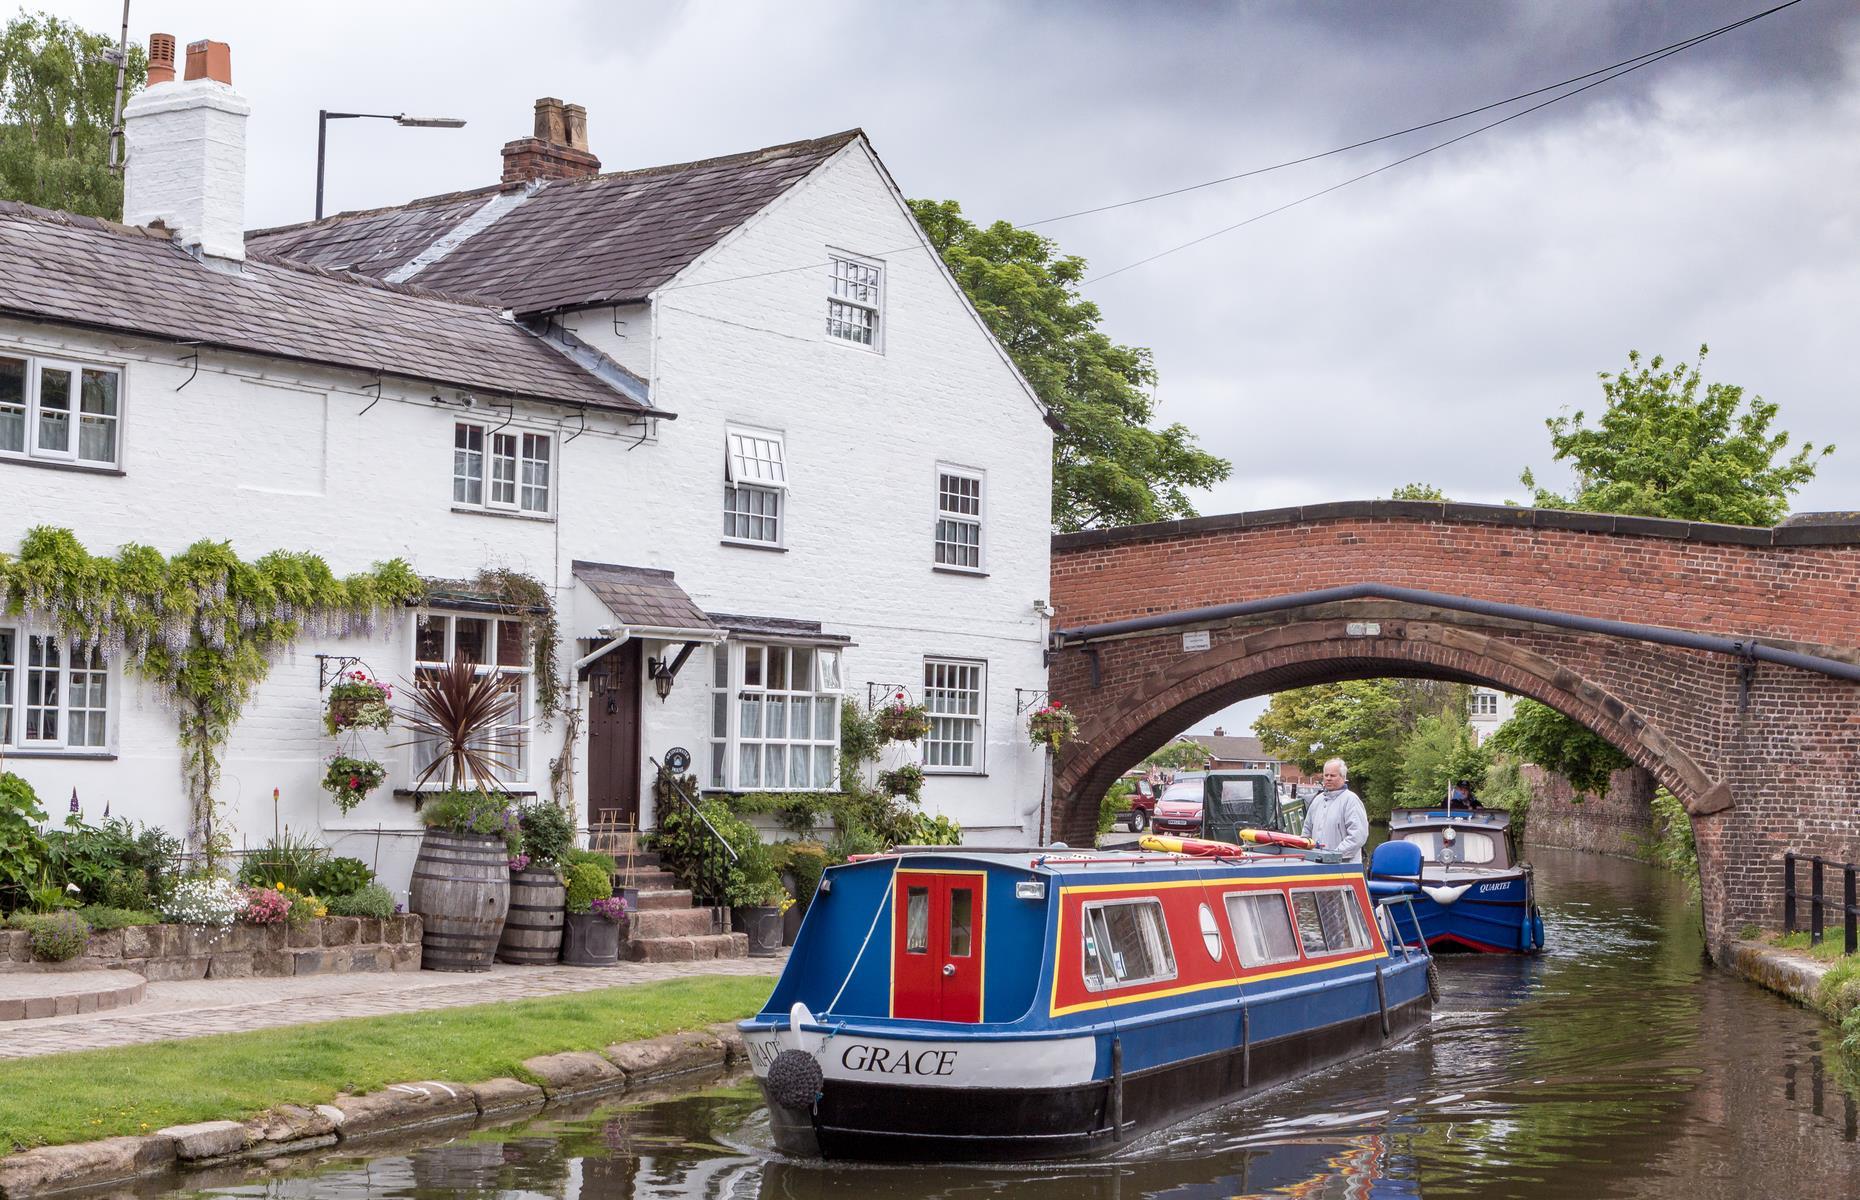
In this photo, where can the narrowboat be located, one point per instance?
(1472, 893)
(958, 1004)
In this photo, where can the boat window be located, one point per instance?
(917, 921)
(1474, 847)
(1262, 928)
(961, 921)
(1329, 921)
(1210, 933)
(1126, 942)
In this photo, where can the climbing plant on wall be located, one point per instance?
(202, 625)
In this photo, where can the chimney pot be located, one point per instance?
(575, 126)
(549, 121)
(161, 58)
(210, 60)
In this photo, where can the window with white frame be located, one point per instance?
(958, 519)
(1484, 704)
(775, 717)
(507, 470)
(755, 476)
(54, 692)
(855, 300)
(494, 645)
(953, 698)
(59, 411)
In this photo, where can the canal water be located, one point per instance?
(1616, 1064)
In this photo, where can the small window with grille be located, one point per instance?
(855, 301)
(953, 695)
(958, 519)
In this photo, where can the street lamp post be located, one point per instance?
(324, 117)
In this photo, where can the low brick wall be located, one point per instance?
(1618, 822)
(331, 945)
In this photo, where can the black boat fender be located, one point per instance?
(795, 1079)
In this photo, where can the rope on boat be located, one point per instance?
(884, 902)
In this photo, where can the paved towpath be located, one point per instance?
(198, 1008)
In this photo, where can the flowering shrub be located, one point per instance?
(208, 900)
(57, 937)
(485, 813)
(350, 779)
(519, 862)
(612, 908)
(267, 906)
(1052, 726)
(358, 702)
(898, 721)
(304, 909)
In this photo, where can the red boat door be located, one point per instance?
(936, 945)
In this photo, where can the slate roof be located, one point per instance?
(97, 274)
(642, 596)
(1232, 749)
(785, 629)
(607, 239)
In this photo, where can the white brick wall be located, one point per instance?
(271, 455)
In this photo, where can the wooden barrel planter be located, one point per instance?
(461, 889)
(533, 929)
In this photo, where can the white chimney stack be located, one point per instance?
(186, 166)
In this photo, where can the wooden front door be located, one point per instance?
(613, 738)
(936, 945)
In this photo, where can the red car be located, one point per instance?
(1178, 811)
(1142, 806)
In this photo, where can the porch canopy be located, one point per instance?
(645, 603)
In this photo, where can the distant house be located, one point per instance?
(1235, 753)
(1487, 709)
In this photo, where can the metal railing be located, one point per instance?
(1818, 900)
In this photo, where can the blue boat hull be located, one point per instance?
(1495, 916)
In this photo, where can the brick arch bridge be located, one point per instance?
(1726, 660)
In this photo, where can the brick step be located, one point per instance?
(687, 949)
(649, 923)
(668, 898)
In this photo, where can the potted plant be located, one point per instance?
(533, 928)
(351, 779)
(358, 702)
(1052, 726)
(898, 721)
(461, 880)
(759, 903)
(591, 936)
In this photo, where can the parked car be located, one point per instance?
(1178, 809)
(1142, 806)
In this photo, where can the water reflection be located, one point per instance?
(1616, 1064)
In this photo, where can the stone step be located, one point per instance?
(26, 996)
(649, 923)
(688, 949)
(669, 898)
(655, 880)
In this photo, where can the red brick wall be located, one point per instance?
(1619, 821)
(1780, 773)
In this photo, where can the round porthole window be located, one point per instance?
(1210, 933)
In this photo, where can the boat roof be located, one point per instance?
(1462, 815)
(1062, 860)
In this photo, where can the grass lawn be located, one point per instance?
(136, 1089)
(1833, 940)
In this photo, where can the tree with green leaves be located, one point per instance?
(1418, 491)
(1662, 447)
(1110, 465)
(1365, 722)
(1181, 755)
(1439, 752)
(57, 104)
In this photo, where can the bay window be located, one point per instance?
(54, 693)
(496, 646)
(775, 717)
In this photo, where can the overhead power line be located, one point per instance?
(1612, 75)
(1663, 51)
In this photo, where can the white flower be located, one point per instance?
(72, 888)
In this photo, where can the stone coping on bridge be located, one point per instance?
(1803, 529)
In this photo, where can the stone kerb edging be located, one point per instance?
(400, 1108)
(326, 946)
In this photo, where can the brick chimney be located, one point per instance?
(557, 150)
(186, 164)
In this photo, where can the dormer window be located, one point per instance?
(855, 300)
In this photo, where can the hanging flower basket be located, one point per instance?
(350, 779)
(901, 722)
(1052, 727)
(358, 702)
(906, 781)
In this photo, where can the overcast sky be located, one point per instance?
(1416, 326)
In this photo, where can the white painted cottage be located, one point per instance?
(735, 413)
